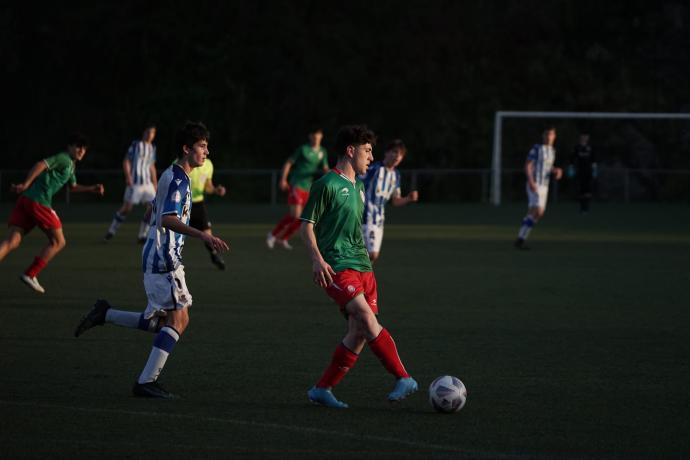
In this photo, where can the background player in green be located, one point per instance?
(202, 183)
(332, 232)
(34, 206)
(296, 178)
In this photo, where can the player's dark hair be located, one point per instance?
(189, 134)
(149, 125)
(78, 140)
(313, 129)
(549, 128)
(396, 144)
(353, 135)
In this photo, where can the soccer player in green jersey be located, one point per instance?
(201, 179)
(34, 206)
(332, 231)
(296, 178)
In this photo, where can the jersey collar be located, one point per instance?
(341, 174)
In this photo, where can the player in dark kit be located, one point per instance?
(583, 165)
(332, 232)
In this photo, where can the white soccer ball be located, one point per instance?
(447, 394)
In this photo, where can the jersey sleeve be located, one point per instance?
(72, 179)
(295, 155)
(153, 155)
(317, 204)
(130, 152)
(174, 200)
(210, 171)
(397, 192)
(533, 154)
(324, 160)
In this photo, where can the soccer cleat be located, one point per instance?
(325, 397)
(218, 261)
(108, 236)
(285, 244)
(95, 317)
(520, 244)
(151, 390)
(403, 388)
(270, 240)
(33, 283)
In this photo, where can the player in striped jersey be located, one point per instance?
(141, 178)
(382, 184)
(164, 279)
(539, 168)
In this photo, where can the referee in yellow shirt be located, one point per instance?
(202, 183)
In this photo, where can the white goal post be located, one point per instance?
(498, 131)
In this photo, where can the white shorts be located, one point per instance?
(139, 194)
(538, 199)
(166, 291)
(373, 236)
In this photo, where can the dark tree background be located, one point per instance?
(259, 73)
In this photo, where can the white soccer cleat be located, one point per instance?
(285, 244)
(32, 283)
(270, 240)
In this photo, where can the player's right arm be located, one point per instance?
(322, 271)
(529, 169)
(127, 166)
(31, 176)
(284, 175)
(172, 222)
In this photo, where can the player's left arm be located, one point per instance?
(172, 222)
(95, 188)
(411, 197)
(212, 189)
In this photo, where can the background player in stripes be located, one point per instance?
(202, 183)
(164, 279)
(332, 232)
(34, 206)
(381, 185)
(539, 168)
(139, 166)
(296, 178)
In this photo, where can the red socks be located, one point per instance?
(292, 228)
(343, 359)
(385, 350)
(36, 267)
(284, 222)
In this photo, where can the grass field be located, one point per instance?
(578, 348)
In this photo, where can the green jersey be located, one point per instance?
(306, 162)
(198, 178)
(336, 207)
(60, 171)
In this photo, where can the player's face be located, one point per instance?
(198, 153)
(393, 158)
(549, 137)
(76, 152)
(584, 139)
(315, 138)
(149, 135)
(362, 157)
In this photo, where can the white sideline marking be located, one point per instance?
(273, 426)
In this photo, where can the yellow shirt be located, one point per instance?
(198, 178)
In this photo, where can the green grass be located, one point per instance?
(576, 349)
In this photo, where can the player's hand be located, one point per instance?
(413, 196)
(284, 186)
(220, 190)
(99, 189)
(18, 188)
(323, 273)
(215, 242)
(558, 173)
(533, 187)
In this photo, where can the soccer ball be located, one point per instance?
(447, 394)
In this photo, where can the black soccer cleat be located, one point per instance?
(520, 244)
(108, 236)
(95, 317)
(218, 261)
(151, 390)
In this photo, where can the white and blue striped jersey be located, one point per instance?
(141, 156)
(162, 252)
(380, 185)
(543, 157)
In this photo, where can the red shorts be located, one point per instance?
(27, 214)
(298, 196)
(349, 283)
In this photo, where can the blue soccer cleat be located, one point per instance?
(325, 397)
(403, 388)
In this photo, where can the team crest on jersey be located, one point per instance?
(345, 192)
(178, 181)
(177, 197)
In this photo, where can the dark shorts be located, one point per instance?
(199, 217)
(27, 214)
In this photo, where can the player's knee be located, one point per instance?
(58, 243)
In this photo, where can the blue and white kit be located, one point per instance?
(380, 185)
(141, 156)
(543, 158)
(164, 280)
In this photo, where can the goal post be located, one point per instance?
(496, 168)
